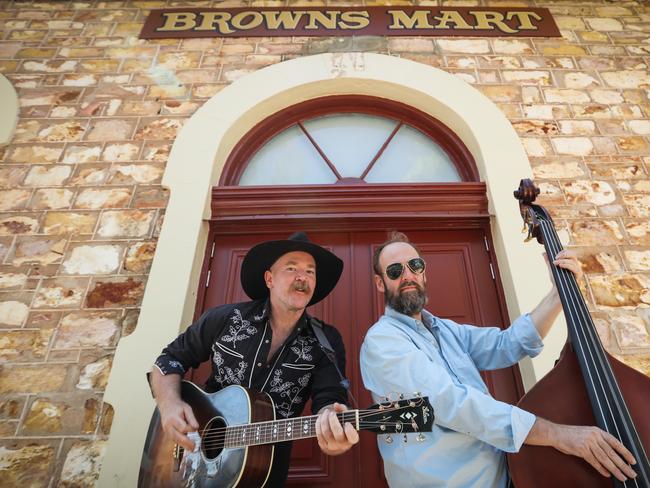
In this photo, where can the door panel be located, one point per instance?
(460, 287)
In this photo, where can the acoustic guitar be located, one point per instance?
(237, 431)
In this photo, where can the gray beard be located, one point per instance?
(407, 303)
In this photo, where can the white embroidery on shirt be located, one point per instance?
(240, 330)
(226, 375)
(288, 390)
(301, 348)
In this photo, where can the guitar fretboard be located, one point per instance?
(279, 430)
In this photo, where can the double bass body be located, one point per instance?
(586, 387)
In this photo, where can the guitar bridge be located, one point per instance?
(177, 456)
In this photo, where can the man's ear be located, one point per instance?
(379, 283)
(268, 278)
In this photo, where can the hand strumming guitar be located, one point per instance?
(176, 416)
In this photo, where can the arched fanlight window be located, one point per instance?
(348, 139)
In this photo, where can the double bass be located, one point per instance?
(587, 386)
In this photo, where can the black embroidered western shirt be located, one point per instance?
(236, 338)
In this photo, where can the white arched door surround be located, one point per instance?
(9, 104)
(195, 165)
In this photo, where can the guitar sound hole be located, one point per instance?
(213, 438)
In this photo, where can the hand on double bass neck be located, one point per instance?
(544, 315)
(599, 448)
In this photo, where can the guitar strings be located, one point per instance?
(217, 435)
(590, 344)
(221, 443)
(267, 426)
(362, 414)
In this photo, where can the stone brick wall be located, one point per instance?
(81, 201)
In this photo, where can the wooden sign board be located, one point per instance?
(354, 21)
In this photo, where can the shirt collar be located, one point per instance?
(429, 319)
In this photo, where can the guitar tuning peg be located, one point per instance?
(401, 396)
(420, 437)
(389, 439)
(417, 394)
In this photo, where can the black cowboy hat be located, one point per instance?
(262, 256)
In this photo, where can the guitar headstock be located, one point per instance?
(403, 416)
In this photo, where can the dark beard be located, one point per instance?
(408, 303)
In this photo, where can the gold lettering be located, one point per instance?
(327, 19)
(401, 20)
(524, 19)
(283, 20)
(177, 21)
(240, 21)
(454, 17)
(215, 21)
(355, 19)
(484, 19)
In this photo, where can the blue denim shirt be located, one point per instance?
(442, 359)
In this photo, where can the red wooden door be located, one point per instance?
(460, 287)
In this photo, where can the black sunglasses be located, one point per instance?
(395, 270)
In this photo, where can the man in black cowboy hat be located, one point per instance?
(267, 344)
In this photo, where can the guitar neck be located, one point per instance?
(280, 430)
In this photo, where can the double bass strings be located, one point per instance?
(590, 343)
(584, 344)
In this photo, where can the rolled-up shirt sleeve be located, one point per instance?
(391, 363)
(493, 348)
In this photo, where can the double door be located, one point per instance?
(461, 285)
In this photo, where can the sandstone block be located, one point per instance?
(117, 292)
(60, 293)
(83, 329)
(83, 463)
(132, 223)
(596, 232)
(81, 154)
(48, 175)
(139, 256)
(104, 130)
(94, 259)
(103, 198)
(27, 465)
(32, 378)
(69, 222)
(38, 250)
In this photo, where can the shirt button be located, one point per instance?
(266, 341)
(259, 364)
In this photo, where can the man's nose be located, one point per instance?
(408, 275)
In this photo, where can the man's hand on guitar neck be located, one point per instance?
(176, 416)
(333, 438)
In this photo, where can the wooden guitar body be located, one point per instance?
(237, 432)
(210, 468)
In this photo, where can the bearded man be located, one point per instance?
(410, 350)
